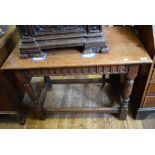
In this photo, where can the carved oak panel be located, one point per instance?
(37, 38)
(77, 71)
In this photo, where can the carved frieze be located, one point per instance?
(77, 71)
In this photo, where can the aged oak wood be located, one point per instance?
(125, 56)
(126, 49)
(38, 38)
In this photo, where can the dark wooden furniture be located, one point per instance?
(10, 94)
(126, 55)
(38, 38)
(144, 91)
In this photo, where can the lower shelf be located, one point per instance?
(75, 97)
(82, 110)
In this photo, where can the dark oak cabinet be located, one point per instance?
(143, 98)
(10, 94)
(35, 39)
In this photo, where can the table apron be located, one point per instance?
(118, 69)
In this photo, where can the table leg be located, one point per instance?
(133, 70)
(48, 80)
(25, 84)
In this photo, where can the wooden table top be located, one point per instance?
(125, 48)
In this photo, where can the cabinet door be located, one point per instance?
(41, 30)
(149, 100)
(10, 94)
(29, 31)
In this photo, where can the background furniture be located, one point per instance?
(144, 90)
(10, 94)
(126, 54)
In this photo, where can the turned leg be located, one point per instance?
(25, 84)
(133, 70)
(48, 81)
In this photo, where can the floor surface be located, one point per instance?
(79, 95)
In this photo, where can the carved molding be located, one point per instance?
(77, 71)
(58, 28)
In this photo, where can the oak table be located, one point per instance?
(126, 54)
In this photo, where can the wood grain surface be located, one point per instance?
(125, 48)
